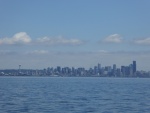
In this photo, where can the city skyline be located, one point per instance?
(95, 71)
(37, 34)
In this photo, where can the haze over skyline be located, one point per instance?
(80, 33)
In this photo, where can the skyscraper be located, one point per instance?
(114, 67)
(134, 67)
(99, 67)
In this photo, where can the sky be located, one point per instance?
(37, 34)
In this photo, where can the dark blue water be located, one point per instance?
(74, 95)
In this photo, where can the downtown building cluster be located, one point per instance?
(99, 71)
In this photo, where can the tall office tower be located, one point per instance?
(114, 67)
(134, 67)
(123, 70)
(99, 66)
(131, 69)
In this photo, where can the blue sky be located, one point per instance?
(45, 33)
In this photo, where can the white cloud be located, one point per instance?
(103, 51)
(114, 38)
(145, 41)
(18, 38)
(23, 38)
(38, 52)
(59, 41)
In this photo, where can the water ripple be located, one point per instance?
(74, 95)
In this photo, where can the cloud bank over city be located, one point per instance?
(23, 38)
(46, 57)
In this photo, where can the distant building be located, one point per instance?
(134, 67)
(99, 66)
(131, 69)
(114, 67)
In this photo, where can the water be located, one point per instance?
(74, 95)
